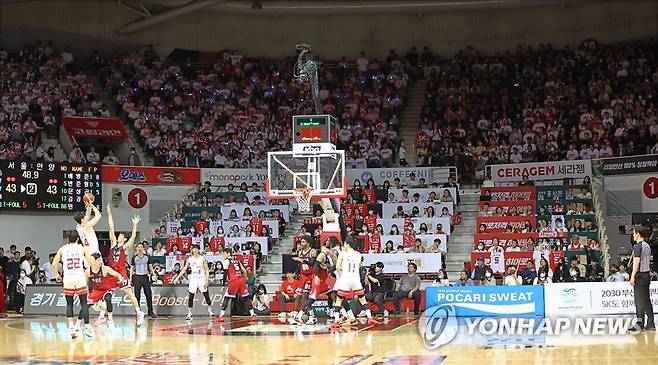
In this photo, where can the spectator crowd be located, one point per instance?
(539, 104)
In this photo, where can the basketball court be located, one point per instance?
(395, 341)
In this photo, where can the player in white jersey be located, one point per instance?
(74, 257)
(199, 278)
(85, 227)
(348, 283)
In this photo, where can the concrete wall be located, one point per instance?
(489, 29)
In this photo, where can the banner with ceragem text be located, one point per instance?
(553, 170)
(626, 165)
(168, 300)
(150, 175)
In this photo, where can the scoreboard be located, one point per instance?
(314, 129)
(52, 186)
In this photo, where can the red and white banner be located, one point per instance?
(526, 241)
(553, 170)
(89, 127)
(508, 208)
(516, 259)
(508, 193)
(150, 175)
(499, 224)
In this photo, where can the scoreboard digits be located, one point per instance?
(54, 186)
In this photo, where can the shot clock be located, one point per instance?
(52, 186)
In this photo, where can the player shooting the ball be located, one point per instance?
(85, 224)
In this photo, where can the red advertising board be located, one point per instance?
(89, 127)
(508, 207)
(150, 175)
(508, 193)
(499, 224)
(517, 259)
(504, 239)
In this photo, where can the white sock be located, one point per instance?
(101, 315)
(189, 312)
(110, 316)
(251, 311)
(350, 314)
(221, 313)
(368, 313)
(210, 309)
(71, 323)
(77, 324)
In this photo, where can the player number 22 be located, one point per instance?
(72, 263)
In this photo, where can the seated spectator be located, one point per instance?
(615, 275)
(442, 279)
(408, 287)
(261, 301)
(594, 271)
(488, 279)
(511, 277)
(479, 270)
(464, 280)
(542, 278)
(375, 288)
(529, 274)
(287, 292)
(575, 262)
(525, 181)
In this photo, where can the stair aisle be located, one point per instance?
(460, 243)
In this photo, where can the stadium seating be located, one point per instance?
(233, 113)
(539, 104)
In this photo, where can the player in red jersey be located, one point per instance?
(117, 257)
(105, 280)
(305, 259)
(318, 285)
(237, 285)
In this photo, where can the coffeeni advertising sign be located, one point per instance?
(168, 300)
(626, 165)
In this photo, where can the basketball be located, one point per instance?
(88, 198)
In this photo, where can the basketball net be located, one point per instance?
(303, 197)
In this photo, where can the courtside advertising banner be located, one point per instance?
(167, 300)
(90, 127)
(626, 165)
(397, 263)
(554, 170)
(430, 174)
(138, 175)
(489, 301)
(224, 177)
(594, 298)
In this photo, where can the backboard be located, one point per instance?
(324, 172)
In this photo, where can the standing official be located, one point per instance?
(640, 279)
(141, 271)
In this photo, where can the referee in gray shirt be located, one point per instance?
(640, 279)
(140, 271)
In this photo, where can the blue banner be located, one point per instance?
(489, 301)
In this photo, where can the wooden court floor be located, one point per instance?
(45, 340)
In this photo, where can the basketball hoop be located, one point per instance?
(303, 197)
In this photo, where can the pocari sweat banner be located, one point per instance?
(489, 301)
